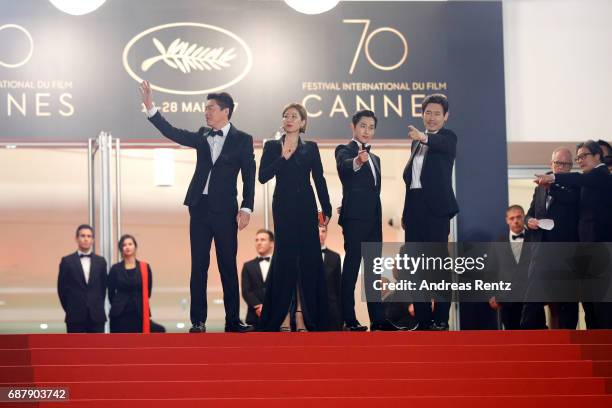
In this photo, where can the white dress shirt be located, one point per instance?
(265, 267)
(357, 166)
(85, 263)
(417, 164)
(516, 245)
(216, 145)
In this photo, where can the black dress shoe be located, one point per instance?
(440, 326)
(386, 325)
(355, 326)
(198, 327)
(238, 327)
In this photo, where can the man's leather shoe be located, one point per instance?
(238, 327)
(355, 326)
(440, 326)
(386, 325)
(198, 327)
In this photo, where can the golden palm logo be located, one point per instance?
(184, 57)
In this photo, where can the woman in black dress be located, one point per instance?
(296, 280)
(125, 289)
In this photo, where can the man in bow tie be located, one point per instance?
(430, 202)
(360, 218)
(510, 258)
(223, 151)
(254, 274)
(81, 285)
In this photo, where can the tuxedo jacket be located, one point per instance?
(595, 211)
(437, 172)
(333, 275)
(360, 195)
(508, 269)
(253, 288)
(563, 210)
(78, 298)
(236, 156)
(126, 292)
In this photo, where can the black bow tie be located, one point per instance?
(214, 133)
(263, 258)
(365, 147)
(323, 250)
(84, 255)
(521, 235)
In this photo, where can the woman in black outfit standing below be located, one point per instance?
(296, 280)
(125, 290)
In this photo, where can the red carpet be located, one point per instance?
(416, 369)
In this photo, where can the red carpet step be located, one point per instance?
(417, 369)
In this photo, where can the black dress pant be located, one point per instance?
(421, 225)
(355, 232)
(87, 326)
(204, 226)
(533, 316)
(511, 315)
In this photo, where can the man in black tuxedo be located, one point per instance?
(606, 150)
(511, 262)
(360, 218)
(81, 285)
(430, 201)
(594, 226)
(560, 204)
(333, 276)
(254, 274)
(222, 152)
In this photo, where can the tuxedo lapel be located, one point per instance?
(77, 269)
(229, 140)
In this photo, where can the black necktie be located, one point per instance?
(214, 133)
(521, 235)
(263, 258)
(84, 255)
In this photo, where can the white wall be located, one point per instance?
(558, 63)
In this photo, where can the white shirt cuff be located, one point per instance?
(151, 112)
(246, 210)
(356, 166)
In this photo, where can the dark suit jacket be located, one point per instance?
(508, 269)
(77, 296)
(253, 288)
(236, 155)
(333, 276)
(123, 291)
(360, 196)
(595, 219)
(563, 209)
(437, 173)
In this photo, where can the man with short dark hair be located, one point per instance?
(606, 149)
(223, 151)
(430, 202)
(360, 218)
(254, 274)
(81, 285)
(511, 263)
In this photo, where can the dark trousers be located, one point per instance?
(420, 225)
(88, 326)
(204, 226)
(533, 316)
(511, 315)
(355, 232)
